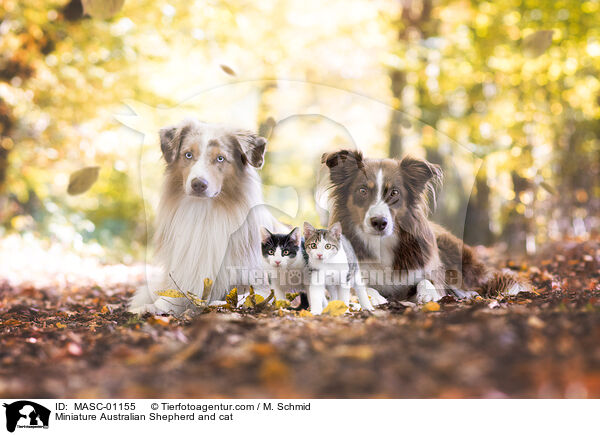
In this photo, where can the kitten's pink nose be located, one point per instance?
(320, 256)
(277, 262)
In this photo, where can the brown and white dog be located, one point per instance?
(383, 208)
(210, 212)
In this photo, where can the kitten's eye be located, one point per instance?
(220, 159)
(362, 191)
(271, 252)
(394, 192)
(286, 252)
(313, 246)
(188, 155)
(327, 246)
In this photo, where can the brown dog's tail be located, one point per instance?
(466, 271)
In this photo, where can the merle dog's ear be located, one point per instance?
(343, 165)
(420, 177)
(252, 147)
(171, 139)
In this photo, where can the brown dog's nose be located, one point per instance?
(379, 223)
(199, 185)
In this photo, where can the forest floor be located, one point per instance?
(79, 342)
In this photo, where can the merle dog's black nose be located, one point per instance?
(199, 185)
(379, 223)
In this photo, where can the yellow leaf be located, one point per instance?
(196, 300)
(232, 298)
(431, 306)
(207, 286)
(80, 181)
(305, 313)
(253, 300)
(291, 296)
(335, 308)
(283, 304)
(104, 309)
(60, 325)
(171, 293)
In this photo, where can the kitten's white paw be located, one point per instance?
(375, 297)
(426, 292)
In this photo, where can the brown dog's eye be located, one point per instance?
(362, 191)
(394, 192)
(188, 155)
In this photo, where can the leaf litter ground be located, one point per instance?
(78, 341)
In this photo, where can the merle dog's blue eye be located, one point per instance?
(220, 159)
(188, 155)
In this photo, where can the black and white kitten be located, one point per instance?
(284, 261)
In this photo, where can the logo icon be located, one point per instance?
(26, 414)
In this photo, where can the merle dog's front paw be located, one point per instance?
(426, 292)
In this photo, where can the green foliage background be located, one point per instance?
(488, 75)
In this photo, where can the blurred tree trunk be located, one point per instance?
(477, 220)
(414, 16)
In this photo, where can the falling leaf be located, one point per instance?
(80, 181)
(232, 298)
(335, 308)
(431, 306)
(228, 70)
(102, 9)
(171, 293)
(537, 43)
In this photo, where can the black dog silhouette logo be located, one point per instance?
(26, 414)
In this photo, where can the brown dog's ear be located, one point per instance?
(343, 165)
(252, 147)
(420, 177)
(171, 139)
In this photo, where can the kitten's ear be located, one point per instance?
(336, 230)
(295, 236)
(309, 230)
(265, 234)
(171, 139)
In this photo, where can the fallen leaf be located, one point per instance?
(430, 307)
(171, 293)
(335, 308)
(305, 313)
(232, 298)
